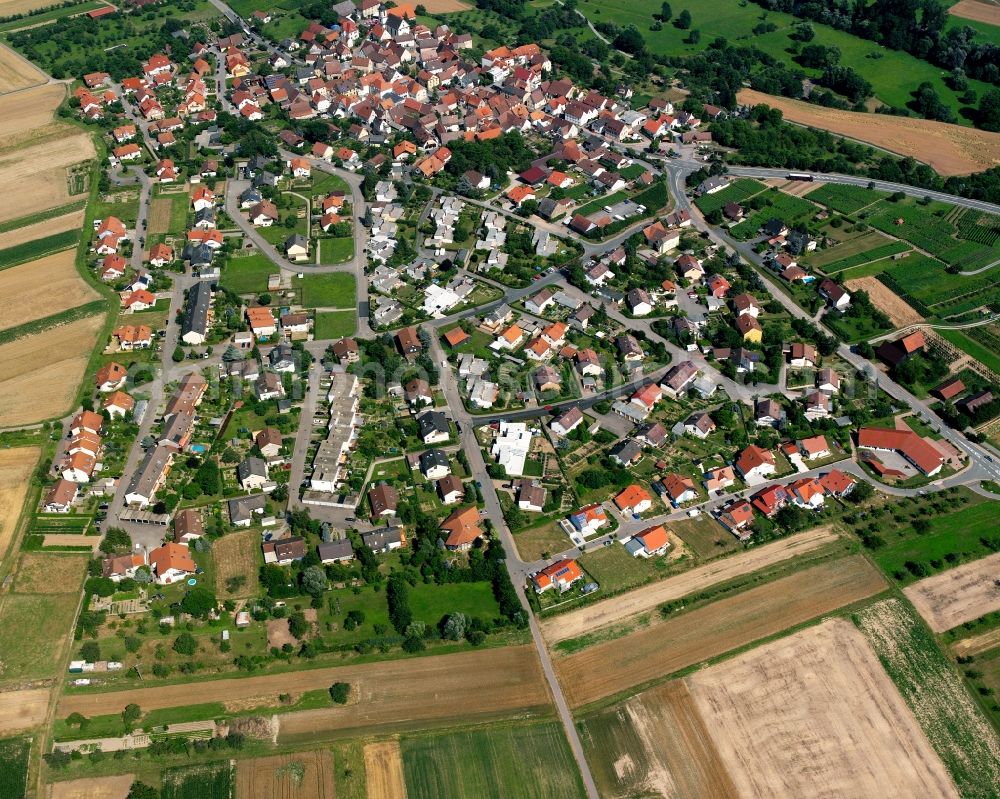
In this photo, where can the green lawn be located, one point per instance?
(334, 324)
(330, 290)
(529, 761)
(326, 182)
(430, 602)
(735, 192)
(248, 274)
(336, 250)
(959, 532)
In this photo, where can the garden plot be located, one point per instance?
(900, 313)
(957, 595)
(823, 717)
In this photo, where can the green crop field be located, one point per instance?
(953, 723)
(928, 282)
(14, 774)
(959, 533)
(967, 341)
(931, 232)
(210, 781)
(334, 324)
(864, 249)
(529, 761)
(31, 250)
(330, 290)
(53, 523)
(248, 274)
(735, 192)
(845, 199)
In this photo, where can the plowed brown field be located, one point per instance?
(611, 667)
(987, 11)
(390, 693)
(950, 149)
(22, 710)
(642, 600)
(815, 715)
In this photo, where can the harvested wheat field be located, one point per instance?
(950, 149)
(16, 466)
(987, 11)
(824, 718)
(159, 215)
(116, 787)
(42, 288)
(303, 775)
(654, 744)
(611, 667)
(17, 72)
(42, 372)
(388, 692)
(900, 313)
(23, 710)
(59, 224)
(957, 595)
(384, 771)
(642, 600)
(50, 573)
(28, 114)
(25, 188)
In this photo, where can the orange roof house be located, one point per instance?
(561, 574)
(634, 499)
(456, 337)
(520, 194)
(171, 562)
(110, 376)
(463, 528)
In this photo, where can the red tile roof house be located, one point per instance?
(561, 574)
(917, 450)
(634, 499)
(754, 464)
(770, 500)
(649, 543)
(737, 518)
(110, 377)
(171, 562)
(837, 483)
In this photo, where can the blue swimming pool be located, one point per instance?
(199, 448)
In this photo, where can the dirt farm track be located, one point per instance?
(387, 693)
(617, 609)
(957, 595)
(824, 720)
(950, 149)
